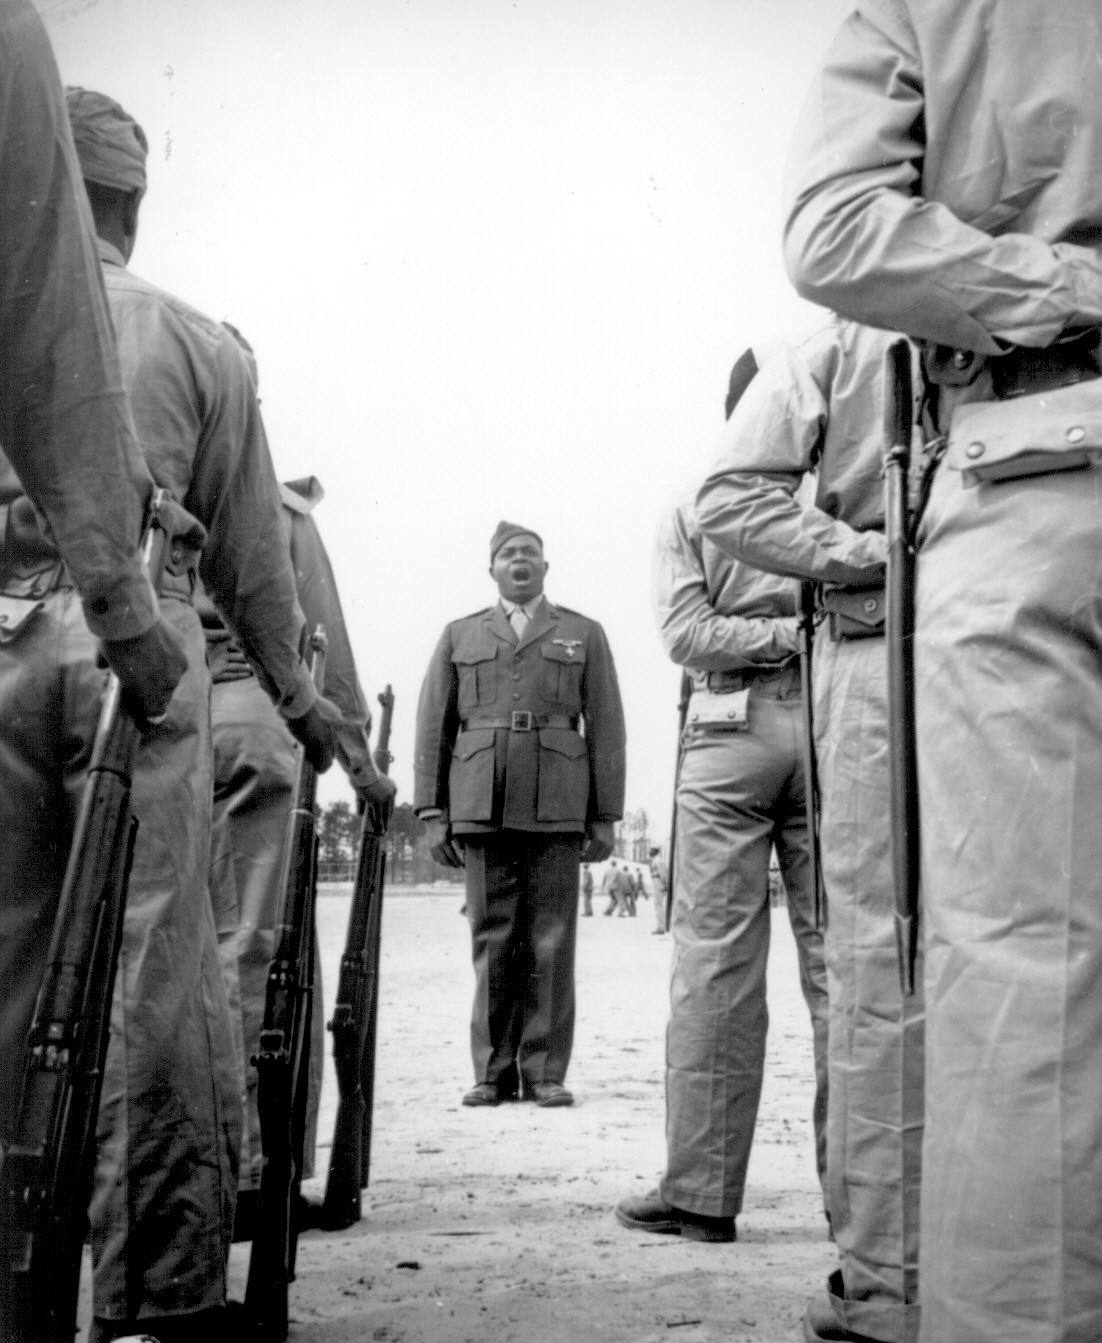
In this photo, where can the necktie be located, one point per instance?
(518, 618)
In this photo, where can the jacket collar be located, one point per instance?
(541, 622)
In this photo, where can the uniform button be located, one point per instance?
(870, 604)
(516, 694)
(516, 676)
(1076, 434)
(974, 450)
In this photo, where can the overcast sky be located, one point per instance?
(496, 259)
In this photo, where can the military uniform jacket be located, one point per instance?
(521, 735)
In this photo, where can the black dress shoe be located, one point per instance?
(486, 1093)
(550, 1094)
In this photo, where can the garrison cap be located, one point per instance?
(110, 144)
(505, 531)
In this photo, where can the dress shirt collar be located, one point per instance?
(529, 608)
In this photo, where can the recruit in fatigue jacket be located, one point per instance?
(978, 229)
(740, 796)
(519, 801)
(162, 1211)
(255, 761)
(816, 406)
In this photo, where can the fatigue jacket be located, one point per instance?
(552, 777)
(714, 614)
(815, 406)
(321, 605)
(945, 178)
(64, 422)
(200, 430)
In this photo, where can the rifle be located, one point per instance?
(684, 693)
(48, 1163)
(356, 1011)
(282, 1059)
(899, 631)
(811, 772)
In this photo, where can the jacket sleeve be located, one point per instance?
(64, 419)
(747, 506)
(605, 733)
(246, 565)
(861, 240)
(321, 605)
(694, 632)
(437, 729)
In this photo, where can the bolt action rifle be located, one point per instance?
(283, 1057)
(684, 693)
(46, 1171)
(356, 1010)
(811, 772)
(899, 631)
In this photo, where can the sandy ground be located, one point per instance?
(497, 1223)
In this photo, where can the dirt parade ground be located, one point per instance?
(497, 1224)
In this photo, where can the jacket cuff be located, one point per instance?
(299, 698)
(123, 607)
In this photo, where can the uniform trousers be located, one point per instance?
(522, 907)
(739, 796)
(874, 1124)
(1009, 706)
(162, 1211)
(255, 764)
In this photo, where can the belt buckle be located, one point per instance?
(522, 720)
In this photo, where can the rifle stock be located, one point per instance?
(811, 773)
(356, 1011)
(282, 1059)
(899, 631)
(684, 692)
(48, 1161)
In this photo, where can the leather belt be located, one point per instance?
(523, 720)
(1023, 370)
(727, 682)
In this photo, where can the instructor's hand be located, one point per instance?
(599, 839)
(441, 845)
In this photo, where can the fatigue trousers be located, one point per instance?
(255, 762)
(1009, 706)
(739, 796)
(162, 1211)
(874, 1125)
(522, 907)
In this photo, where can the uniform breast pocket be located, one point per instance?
(477, 670)
(563, 664)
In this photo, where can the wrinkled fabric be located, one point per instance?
(169, 1115)
(945, 178)
(255, 763)
(64, 421)
(111, 146)
(1009, 701)
(874, 1131)
(954, 190)
(713, 614)
(199, 425)
(817, 406)
(740, 795)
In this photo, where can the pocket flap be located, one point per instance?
(563, 740)
(472, 741)
(469, 657)
(564, 650)
(1028, 435)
